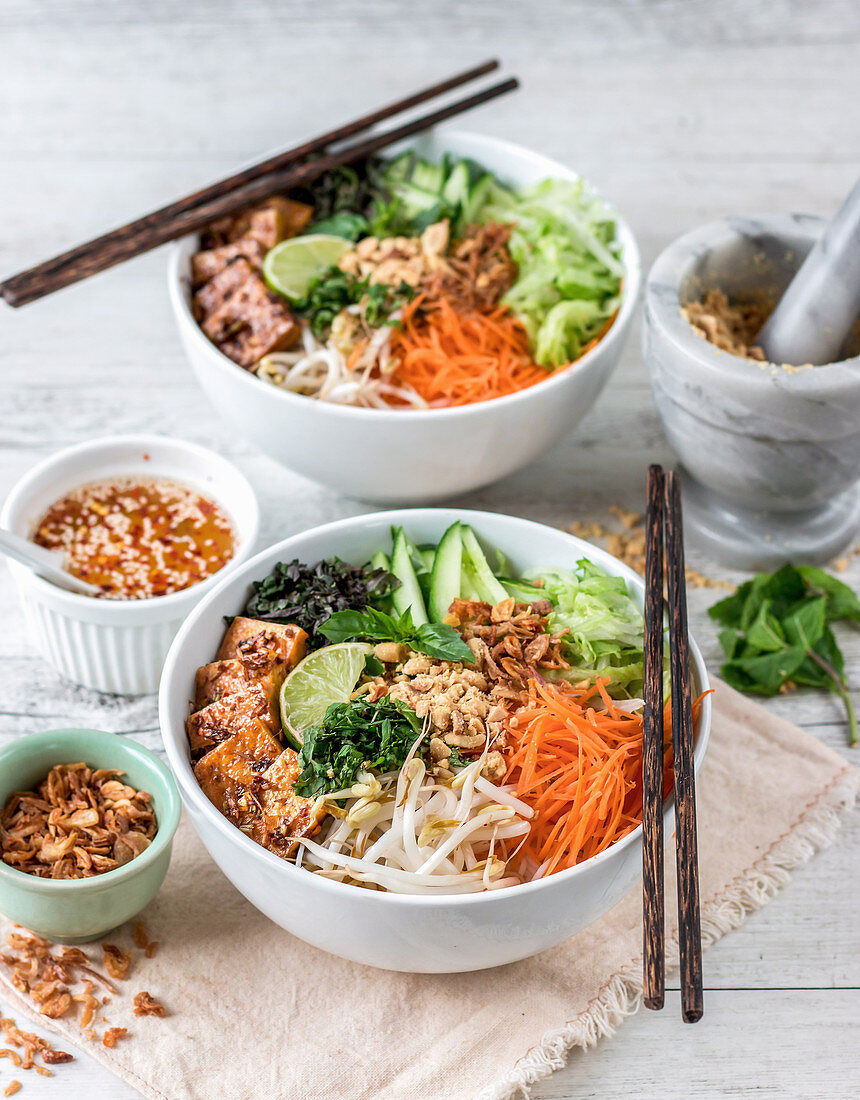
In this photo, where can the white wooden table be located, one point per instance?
(679, 111)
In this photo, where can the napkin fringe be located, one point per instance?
(622, 995)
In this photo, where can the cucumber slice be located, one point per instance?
(427, 554)
(468, 582)
(381, 560)
(489, 586)
(408, 596)
(456, 188)
(400, 168)
(445, 575)
(477, 197)
(429, 177)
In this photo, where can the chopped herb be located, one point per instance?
(308, 595)
(435, 639)
(332, 292)
(777, 632)
(353, 737)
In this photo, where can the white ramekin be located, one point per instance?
(119, 646)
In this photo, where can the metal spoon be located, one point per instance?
(48, 564)
(821, 303)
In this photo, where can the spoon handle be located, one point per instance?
(47, 564)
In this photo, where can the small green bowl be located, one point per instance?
(78, 910)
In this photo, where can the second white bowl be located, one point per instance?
(119, 646)
(411, 456)
(414, 933)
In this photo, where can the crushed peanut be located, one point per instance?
(729, 326)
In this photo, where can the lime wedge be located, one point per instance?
(290, 266)
(325, 676)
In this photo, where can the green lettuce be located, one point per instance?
(565, 246)
(605, 627)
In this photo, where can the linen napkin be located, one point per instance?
(254, 1012)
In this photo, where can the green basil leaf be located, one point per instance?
(805, 623)
(731, 641)
(765, 633)
(728, 612)
(769, 671)
(443, 642)
(842, 602)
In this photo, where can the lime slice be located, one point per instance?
(290, 266)
(325, 676)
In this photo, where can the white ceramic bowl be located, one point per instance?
(411, 456)
(119, 645)
(399, 932)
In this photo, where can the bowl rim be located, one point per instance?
(173, 601)
(192, 794)
(168, 821)
(630, 292)
(663, 310)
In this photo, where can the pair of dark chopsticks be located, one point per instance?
(292, 168)
(664, 510)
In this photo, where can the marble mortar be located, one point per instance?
(771, 453)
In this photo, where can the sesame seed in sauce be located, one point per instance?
(136, 539)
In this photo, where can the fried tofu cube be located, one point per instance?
(278, 219)
(270, 222)
(219, 290)
(210, 262)
(252, 322)
(257, 643)
(226, 774)
(220, 720)
(285, 814)
(215, 680)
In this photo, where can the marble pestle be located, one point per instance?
(821, 304)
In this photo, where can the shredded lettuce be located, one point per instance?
(605, 627)
(567, 254)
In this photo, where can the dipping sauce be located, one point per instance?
(136, 538)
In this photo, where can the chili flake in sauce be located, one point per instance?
(138, 538)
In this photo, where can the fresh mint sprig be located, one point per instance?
(776, 630)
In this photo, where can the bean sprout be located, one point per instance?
(413, 833)
(321, 370)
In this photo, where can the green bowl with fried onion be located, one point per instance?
(80, 910)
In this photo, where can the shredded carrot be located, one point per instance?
(580, 769)
(458, 358)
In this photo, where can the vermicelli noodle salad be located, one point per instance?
(407, 284)
(427, 723)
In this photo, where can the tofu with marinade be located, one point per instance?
(285, 815)
(229, 715)
(259, 644)
(226, 774)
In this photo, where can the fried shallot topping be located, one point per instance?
(477, 270)
(61, 980)
(34, 1046)
(79, 822)
(146, 1005)
(510, 642)
(113, 1034)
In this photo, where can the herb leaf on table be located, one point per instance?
(777, 632)
(435, 639)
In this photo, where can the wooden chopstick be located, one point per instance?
(689, 921)
(197, 211)
(653, 909)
